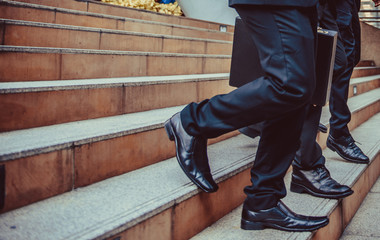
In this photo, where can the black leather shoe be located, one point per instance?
(191, 154)
(347, 149)
(322, 128)
(282, 218)
(318, 183)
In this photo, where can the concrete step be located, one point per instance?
(84, 152)
(41, 103)
(359, 113)
(109, 9)
(366, 63)
(159, 202)
(39, 64)
(340, 212)
(365, 71)
(43, 63)
(81, 153)
(364, 224)
(34, 34)
(40, 13)
(363, 84)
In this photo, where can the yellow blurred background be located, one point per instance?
(151, 5)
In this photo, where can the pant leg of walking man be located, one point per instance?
(309, 172)
(286, 37)
(340, 139)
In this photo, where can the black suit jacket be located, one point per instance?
(298, 3)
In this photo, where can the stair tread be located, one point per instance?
(344, 172)
(28, 142)
(363, 99)
(120, 203)
(33, 86)
(364, 79)
(370, 67)
(103, 30)
(29, 49)
(77, 12)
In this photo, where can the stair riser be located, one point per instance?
(100, 160)
(23, 66)
(363, 115)
(27, 110)
(363, 87)
(97, 161)
(365, 72)
(74, 5)
(108, 9)
(366, 63)
(183, 32)
(23, 110)
(93, 162)
(191, 216)
(43, 176)
(196, 47)
(83, 165)
(51, 16)
(18, 35)
(347, 208)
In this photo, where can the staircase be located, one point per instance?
(85, 88)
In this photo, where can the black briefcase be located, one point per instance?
(245, 63)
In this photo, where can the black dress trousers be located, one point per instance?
(349, 30)
(309, 155)
(285, 37)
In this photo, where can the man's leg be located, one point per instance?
(274, 155)
(340, 113)
(262, 208)
(309, 154)
(286, 39)
(309, 172)
(287, 57)
(340, 139)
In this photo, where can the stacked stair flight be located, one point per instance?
(85, 88)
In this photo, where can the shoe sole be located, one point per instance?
(170, 132)
(329, 145)
(297, 188)
(247, 225)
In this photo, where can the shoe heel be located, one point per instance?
(246, 225)
(169, 131)
(296, 188)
